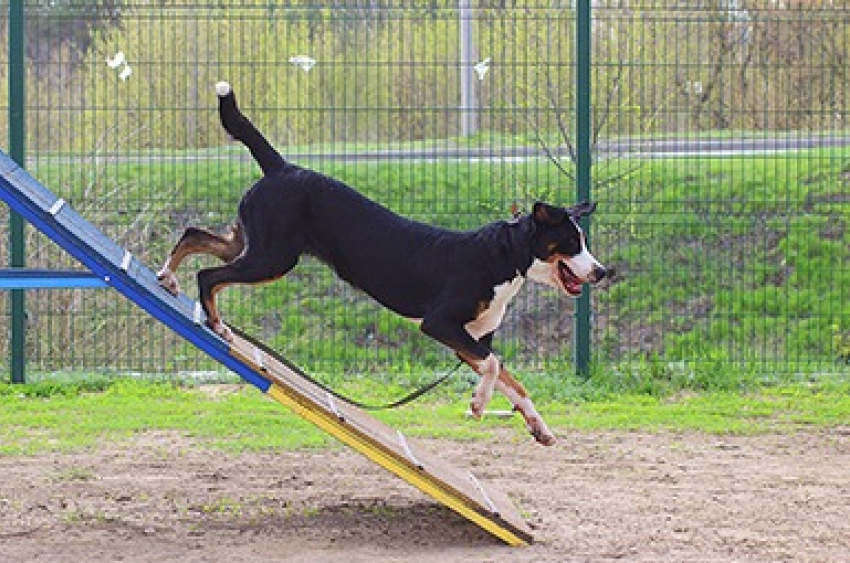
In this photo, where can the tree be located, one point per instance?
(70, 25)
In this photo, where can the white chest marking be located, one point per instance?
(490, 319)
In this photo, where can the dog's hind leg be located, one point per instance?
(249, 268)
(199, 241)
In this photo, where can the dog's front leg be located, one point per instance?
(520, 399)
(450, 331)
(518, 396)
(489, 369)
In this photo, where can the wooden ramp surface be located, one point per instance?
(458, 490)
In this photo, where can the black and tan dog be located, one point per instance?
(457, 285)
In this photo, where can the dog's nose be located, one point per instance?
(599, 272)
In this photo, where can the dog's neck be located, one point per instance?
(520, 231)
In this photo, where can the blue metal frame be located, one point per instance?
(32, 278)
(113, 265)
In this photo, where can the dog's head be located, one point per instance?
(559, 248)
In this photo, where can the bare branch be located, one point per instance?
(553, 105)
(620, 176)
(553, 158)
(602, 117)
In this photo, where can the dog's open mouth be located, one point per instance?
(569, 281)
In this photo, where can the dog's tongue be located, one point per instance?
(574, 288)
(572, 284)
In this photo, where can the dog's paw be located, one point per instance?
(475, 408)
(541, 432)
(168, 281)
(221, 329)
(480, 398)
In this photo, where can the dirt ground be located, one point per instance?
(593, 497)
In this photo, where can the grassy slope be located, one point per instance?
(716, 259)
(759, 241)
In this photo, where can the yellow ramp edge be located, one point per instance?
(389, 448)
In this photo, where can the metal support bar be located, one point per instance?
(26, 278)
(468, 97)
(584, 162)
(17, 252)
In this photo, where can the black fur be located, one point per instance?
(444, 278)
(417, 270)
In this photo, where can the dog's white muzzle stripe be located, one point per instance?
(584, 265)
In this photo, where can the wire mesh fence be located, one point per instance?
(721, 167)
(730, 232)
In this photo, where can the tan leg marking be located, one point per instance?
(519, 398)
(198, 241)
(214, 318)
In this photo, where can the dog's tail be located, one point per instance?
(240, 128)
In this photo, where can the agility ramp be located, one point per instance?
(119, 269)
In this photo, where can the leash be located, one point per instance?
(395, 404)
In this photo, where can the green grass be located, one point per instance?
(64, 418)
(736, 257)
(787, 408)
(72, 417)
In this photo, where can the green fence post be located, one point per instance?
(584, 159)
(17, 76)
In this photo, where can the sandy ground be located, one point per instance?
(593, 497)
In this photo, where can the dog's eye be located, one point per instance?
(569, 247)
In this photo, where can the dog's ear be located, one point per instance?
(581, 209)
(548, 214)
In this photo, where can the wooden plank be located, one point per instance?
(456, 489)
